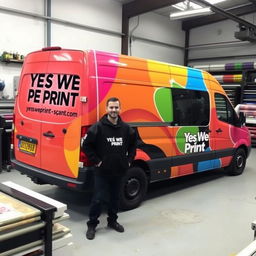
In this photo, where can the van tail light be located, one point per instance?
(83, 157)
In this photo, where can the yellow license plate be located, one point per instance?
(27, 147)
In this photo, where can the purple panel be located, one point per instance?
(248, 65)
(229, 66)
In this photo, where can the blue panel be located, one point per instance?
(195, 80)
(216, 163)
(209, 164)
(204, 166)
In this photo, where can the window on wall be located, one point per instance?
(224, 109)
(190, 107)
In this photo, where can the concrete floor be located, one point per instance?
(205, 214)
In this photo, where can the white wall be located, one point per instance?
(24, 34)
(216, 33)
(155, 27)
(103, 14)
(19, 34)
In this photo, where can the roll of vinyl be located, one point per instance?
(229, 78)
(227, 66)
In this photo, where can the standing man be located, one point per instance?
(111, 145)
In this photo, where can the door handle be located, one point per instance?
(49, 134)
(219, 130)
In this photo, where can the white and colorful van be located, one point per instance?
(184, 121)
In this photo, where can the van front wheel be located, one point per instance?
(238, 163)
(133, 188)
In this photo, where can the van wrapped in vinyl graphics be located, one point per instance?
(183, 119)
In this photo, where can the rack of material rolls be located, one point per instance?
(29, 223)
(249, 92)
(232, 76)
(250, 113)
(7, 104)
(6, 120)
(232, 86)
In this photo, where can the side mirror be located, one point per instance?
(242, 118)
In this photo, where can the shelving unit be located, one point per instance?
(239, 82)
(230, 76)
(12, 61)
(6, 105)
(248, 97)
(231, 83)
(6, 120)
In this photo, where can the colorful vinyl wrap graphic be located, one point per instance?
(143, 87)
(67, 90)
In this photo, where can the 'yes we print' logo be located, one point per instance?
(115, 141)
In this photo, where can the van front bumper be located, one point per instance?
(82, 183)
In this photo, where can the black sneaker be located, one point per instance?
(116, 226)
(90, 234)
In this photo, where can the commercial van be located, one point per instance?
(183, 119)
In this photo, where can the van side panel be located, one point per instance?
(144, 88)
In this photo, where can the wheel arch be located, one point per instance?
(143, 165)
(245, 148)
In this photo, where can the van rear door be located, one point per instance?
(27, 118)
(48, 124)
(61, 127)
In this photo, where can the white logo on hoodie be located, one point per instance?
(115, 141)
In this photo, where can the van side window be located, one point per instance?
(225, 111)
(190, 107)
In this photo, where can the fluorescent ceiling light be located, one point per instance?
(184, 5)
(214, 1)
(190, 13)
(187, 5)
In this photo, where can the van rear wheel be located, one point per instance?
(133, 188)
(238, 163)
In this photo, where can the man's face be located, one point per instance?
(113, 109)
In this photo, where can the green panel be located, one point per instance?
(238, 66)
(163, 102)
(176, 85)
(181, 138)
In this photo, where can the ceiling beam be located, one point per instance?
(189, 24)
(253, 2)
(227, 14)
(138, 7)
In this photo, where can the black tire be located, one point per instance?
(133, 188)
(237, 164)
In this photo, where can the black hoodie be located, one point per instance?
(114, 145)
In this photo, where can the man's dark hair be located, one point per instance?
(112, 99)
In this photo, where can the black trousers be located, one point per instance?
(105, 185)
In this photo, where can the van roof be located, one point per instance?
(56, 48)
